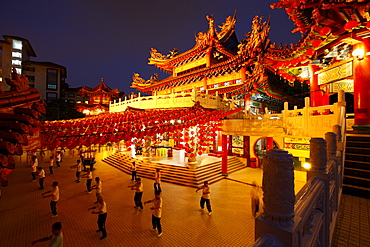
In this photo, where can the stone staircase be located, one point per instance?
(356, 179)
(175, 174)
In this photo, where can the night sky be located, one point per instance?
(111, 39)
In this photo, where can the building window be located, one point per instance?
(71, 101)
(31, 78)
(17, 44)
(52, 79)
(32, 69)
(51, 96)
(71, 95)
(17, 54)
(16, 62)
(78, 96)
(19, 71)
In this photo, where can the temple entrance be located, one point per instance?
(259, 149)
(349, 98)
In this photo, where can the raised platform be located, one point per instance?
(174, 169)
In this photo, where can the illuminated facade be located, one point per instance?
(220, 64)
(98, 97)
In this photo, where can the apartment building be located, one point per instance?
(47, 77)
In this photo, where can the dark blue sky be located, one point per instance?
(111, 39)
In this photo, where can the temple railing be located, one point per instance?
(169, 101)
(312, 219)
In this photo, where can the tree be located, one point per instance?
(58, 109)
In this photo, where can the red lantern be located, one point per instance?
(325, 31)
(350, 25)
(368, 25)
(316, 43)
(310, 52)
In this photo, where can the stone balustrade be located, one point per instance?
(313, 220)
(169, 101)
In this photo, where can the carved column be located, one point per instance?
(331, 140)
(278, 187)
(146, 148)
(318, 155)
(225, 147)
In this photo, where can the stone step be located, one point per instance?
(356, 172)
(175, 174)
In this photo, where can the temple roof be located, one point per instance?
(323, 24)
(224, 42)
(102, 88)
(249, 50)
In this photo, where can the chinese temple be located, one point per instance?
(220, 64)
(250, 100)
(99, 98)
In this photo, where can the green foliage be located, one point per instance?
(60, 110)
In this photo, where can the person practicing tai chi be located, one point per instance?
(54, 194)
(156, 212)
(138, 186)
(51, 164)
(101, 211)
(133, 171)
(97, 187)
(41, 174)
(78, 167)
(88, 176)
(56, 239)
(157, 180)
(206, 197)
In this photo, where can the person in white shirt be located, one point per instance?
(156, 212)
(206, 197)
(133, 171)
(33, 166)
(51, 164)
(97, 187)
(138, 186)
(41, 175)
(54, 194)
(157, 180)
(88, 176)
(56, 239)
(78, 167)
(58, 158)
(101, 210)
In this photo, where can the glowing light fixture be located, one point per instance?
(306, 165)
(359, 54)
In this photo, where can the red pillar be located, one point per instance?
(269, 143)
(225, 151)
(247, 147)
(315, 93)
(361, 88)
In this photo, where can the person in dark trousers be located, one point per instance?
(157, 180)
(101, 211)
(133, 171)
(58, 158)
(56, 239)
(156, 212)
(206, 197)
(33, 167)
(51, 164)
(41, 175)
(54, 194)
(78, 167)
(88, 176)
(138, 186)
